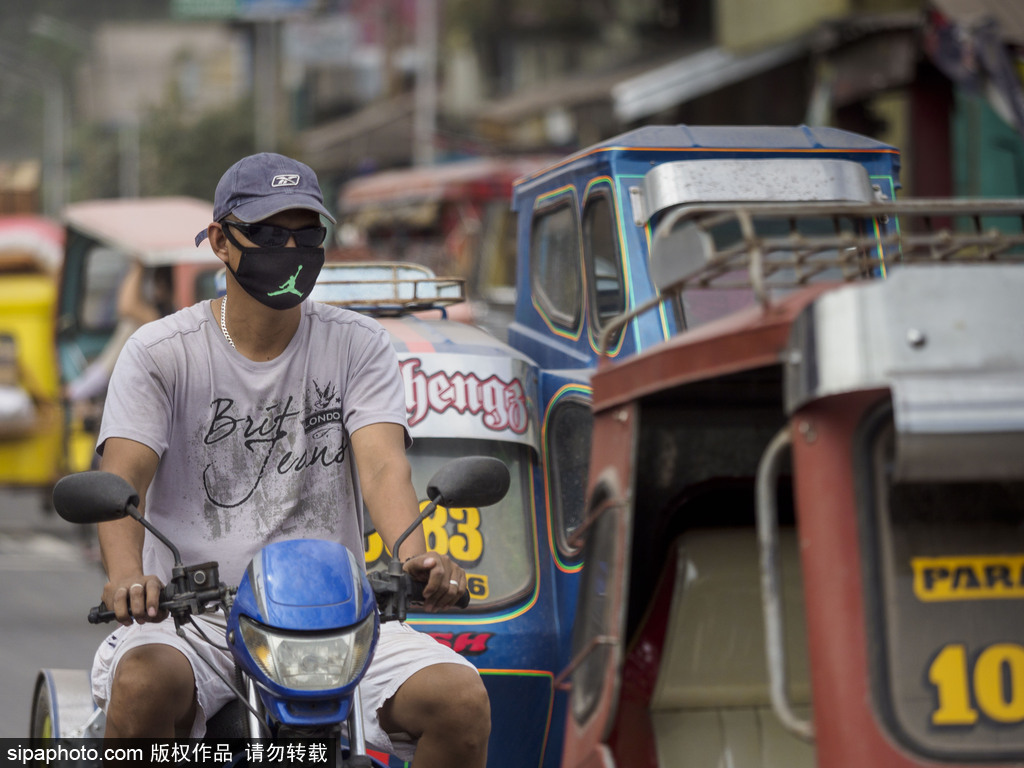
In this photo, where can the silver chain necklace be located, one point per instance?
(223, 316)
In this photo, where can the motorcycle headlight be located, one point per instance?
(309, 663)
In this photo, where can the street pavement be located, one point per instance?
(49, 578)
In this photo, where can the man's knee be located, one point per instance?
(462, 704)
(443, 698)
(151, 683)
(154, 670)
(472, 698)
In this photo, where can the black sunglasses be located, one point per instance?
(273, 236)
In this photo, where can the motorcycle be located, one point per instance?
(302, 625)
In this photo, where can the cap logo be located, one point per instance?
(285, 180)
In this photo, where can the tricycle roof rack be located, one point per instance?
(385, 288)
(781, 247)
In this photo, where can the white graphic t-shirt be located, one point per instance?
(251, 452)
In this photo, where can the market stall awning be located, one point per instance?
(638, 91)
(378, 135)
(695, 75)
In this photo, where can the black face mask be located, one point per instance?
(279, 278)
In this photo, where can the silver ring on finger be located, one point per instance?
(453, 582)
(136, 584)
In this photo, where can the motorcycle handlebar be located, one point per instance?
(100, 614)
(416, 595)
(173, 602)
(396, 592)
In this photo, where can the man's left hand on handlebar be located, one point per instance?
(444, 580)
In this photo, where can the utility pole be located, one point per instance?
(130, 151)
(425, 97)
(266, 83)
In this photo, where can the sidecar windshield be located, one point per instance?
(493, 544)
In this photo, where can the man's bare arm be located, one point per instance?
(121, 540)
(385, 479)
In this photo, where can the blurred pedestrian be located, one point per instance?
(136, 306)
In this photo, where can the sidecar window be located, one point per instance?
(494, 544)
(570, 425)
(104, 270)
(606, 280)
(555, 262)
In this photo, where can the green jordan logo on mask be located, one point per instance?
(288, 286)
(277, 277)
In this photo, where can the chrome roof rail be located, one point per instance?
(385, 288)
(776, 247)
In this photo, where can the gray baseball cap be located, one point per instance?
(261, 185)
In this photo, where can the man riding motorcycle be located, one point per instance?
(213, 416)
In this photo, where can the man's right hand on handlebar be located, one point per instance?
(135, 599)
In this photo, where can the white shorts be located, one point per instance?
(401, 652)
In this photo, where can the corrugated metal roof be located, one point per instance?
(741, 137)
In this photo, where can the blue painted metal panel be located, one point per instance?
(520, 642)
(625, 159)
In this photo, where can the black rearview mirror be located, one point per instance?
(93, 497)
(472, 481)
